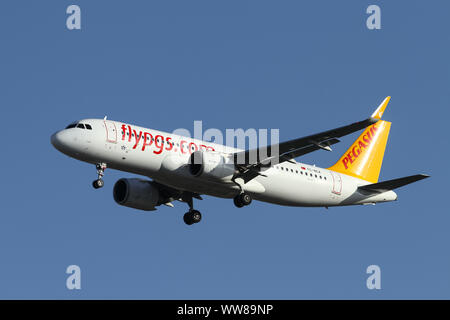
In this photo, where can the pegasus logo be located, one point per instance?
(359, 146)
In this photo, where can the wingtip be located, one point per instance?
(381, 108)
(421, 176)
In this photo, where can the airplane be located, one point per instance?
(183, 169)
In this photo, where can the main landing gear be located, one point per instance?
(101, 167)
(242, 199)
(192, 216)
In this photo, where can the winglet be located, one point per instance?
(380, 110)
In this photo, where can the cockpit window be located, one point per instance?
(79, 125)
(72, 125)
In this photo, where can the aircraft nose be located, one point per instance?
(59, 139)
(55, 139)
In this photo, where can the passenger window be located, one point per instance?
(80, 125)
(88, 126)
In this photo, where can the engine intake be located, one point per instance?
(136, 193)
(210, 164)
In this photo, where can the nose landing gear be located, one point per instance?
(101, 167)
(98, 183)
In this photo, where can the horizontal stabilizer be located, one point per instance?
(392, 184)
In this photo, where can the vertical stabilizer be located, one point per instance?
(364, 158)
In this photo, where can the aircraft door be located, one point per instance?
(337, 183)
(111, 131)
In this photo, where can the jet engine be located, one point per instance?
(136, 193)
(210, 164)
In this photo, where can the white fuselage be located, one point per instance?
(130, 148)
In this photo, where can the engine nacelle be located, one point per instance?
(136, 193)
(210, 164)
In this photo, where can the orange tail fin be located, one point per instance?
(364, 158)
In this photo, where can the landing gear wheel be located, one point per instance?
(237, 202)
(101, 167)
(187, 218)
(98, 183)
(196, 216)
(245, 199)
(242, 199)
(192, 217)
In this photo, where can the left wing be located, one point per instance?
(250, 162)
(392, 184)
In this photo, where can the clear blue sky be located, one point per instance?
(301, 67)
